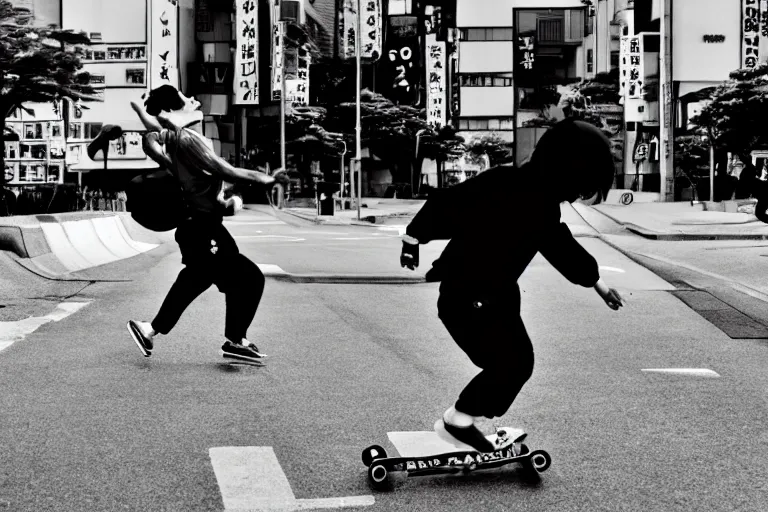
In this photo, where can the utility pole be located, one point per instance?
(358, 128)
(666, 114)
(282, 95)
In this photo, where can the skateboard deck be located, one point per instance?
(241, 362)
(424, 453)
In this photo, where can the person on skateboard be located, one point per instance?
(208, 251)
(496, 223)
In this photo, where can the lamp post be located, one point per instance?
(341, 168)
(358, 127)
(282, 95)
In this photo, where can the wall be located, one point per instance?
(486, 57)
(695, 60)
(487, 101)
(498, 13)
(118, 21)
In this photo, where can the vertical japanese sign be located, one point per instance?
(526, 52)
(297, 89)
(370, 29)
(348, 29)
(246, 83)
(750, 29)
(635, 73)
(436, 80)
(277, 52)
(400, 78)
(763, 46)
(164, 57)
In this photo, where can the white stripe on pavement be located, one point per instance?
(692, 372)
(255, 223)
(271, 270)
(251, 478)
(281, 237)
(19, 329)
(612, 269)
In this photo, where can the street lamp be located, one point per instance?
(358, 128)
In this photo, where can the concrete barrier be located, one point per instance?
(56, 245)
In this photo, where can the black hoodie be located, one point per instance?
(498, 221)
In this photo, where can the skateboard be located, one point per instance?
(228, 359)
(508, 451)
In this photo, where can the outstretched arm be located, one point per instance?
(150, 122)
(150, 142)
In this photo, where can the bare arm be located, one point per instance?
(149, 122)
(154, 150)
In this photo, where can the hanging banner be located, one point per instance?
(400, 77)
(436, 79)
(348, 29)
(277, 52)
(164, 56)
(763, 46)
(750, 29)
(246, 82)
(371, 30)
(297, 89)
(635, 73)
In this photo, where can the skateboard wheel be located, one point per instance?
(372, 453)
(378, 476)
(540, 460)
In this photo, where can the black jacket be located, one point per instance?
(496, 223)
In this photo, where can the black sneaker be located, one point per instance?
(240, 352)
(142, 340)
(464, 437)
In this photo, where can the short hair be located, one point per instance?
(165, 97)
(577, 157)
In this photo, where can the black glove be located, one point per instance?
(409, 257)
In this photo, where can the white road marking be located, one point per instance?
(19, 329)
(255, 223)
(692, 372)
(363, 238)
(396, 227)
(269, 269)
(251, 478)
(612, 269)
(281, 237)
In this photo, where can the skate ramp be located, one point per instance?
(77, 245)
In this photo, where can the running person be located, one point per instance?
(208, 251)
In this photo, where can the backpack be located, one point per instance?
(155, 200)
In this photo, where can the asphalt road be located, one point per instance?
(87, 423)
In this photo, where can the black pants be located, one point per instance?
(211, 256)
(485, 322)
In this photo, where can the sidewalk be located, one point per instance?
(374, 210)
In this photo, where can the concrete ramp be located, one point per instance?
(58, 245)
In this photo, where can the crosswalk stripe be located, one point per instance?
(692, 372)
(251, 478)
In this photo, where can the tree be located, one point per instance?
(735, 116)
(37, 65)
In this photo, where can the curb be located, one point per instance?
(367, 221)
(345, 278)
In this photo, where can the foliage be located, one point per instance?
(37, 65)
(735, 115)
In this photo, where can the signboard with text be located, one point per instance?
(164, 55)
(750, 29)
(246, 80)
(436, 82)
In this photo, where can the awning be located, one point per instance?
(696, 91)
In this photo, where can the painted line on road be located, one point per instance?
(251, 478)
(613, 269)
(365, 238)
(263, 237)
(11, 332)
(690, 372)
(269, 269)
(256, 223)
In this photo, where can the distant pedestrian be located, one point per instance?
(496, 223)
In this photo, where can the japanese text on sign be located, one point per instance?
(246, 83)
(297, 89)
(631, 71)
(436, 78)
(370, 29)
(277, 52)
(164, 43)
(750, 43)
(348, 28)
(526, 51)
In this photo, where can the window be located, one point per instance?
(91, 130)
(400, 7)
(134, 77)
(487, 34)
(615, 59)
(33, 151)
(485, 80)
(33, 131)
(75, 130)
(487, 123)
